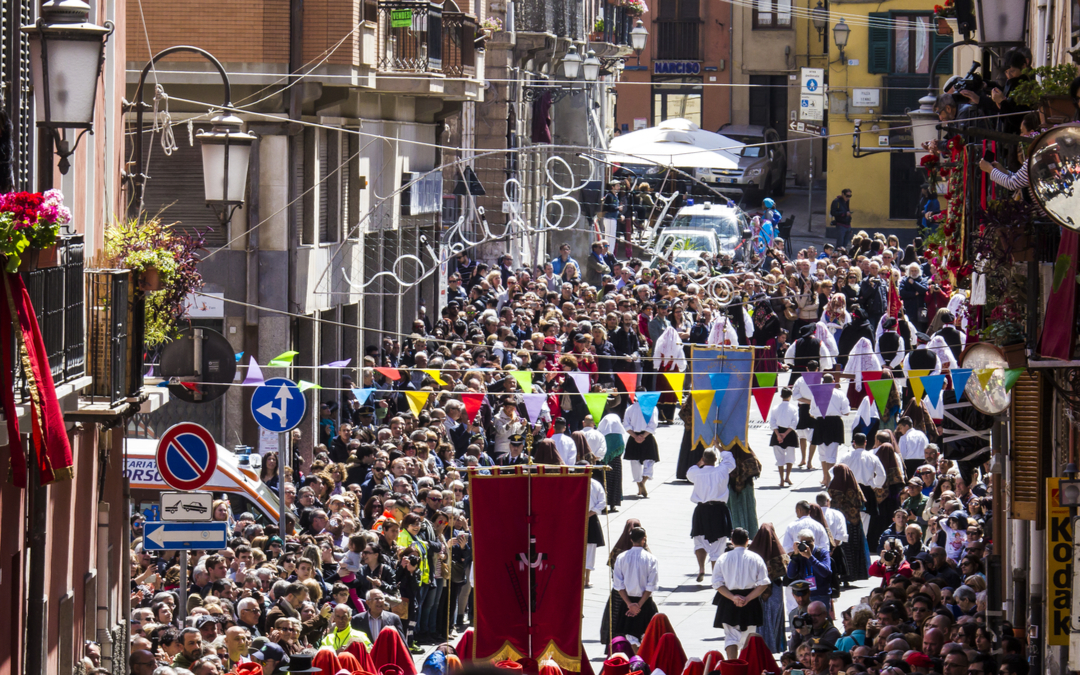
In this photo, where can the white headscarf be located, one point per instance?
(862, 358)
(723, 332)
(611, 423)
(944, 352)
(669, 350)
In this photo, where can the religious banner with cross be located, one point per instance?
(528, 536)
(729, 372)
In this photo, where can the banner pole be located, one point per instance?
(532, 554)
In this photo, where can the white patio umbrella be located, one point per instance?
(676, 142)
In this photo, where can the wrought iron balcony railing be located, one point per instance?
(562, 18)
(410, 37)
(459, 45)
(116, 311)
(618, 22)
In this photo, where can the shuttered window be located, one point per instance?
(1027, 438)
(772, 14)
(679, 10)
(305, 177)
(898, 41)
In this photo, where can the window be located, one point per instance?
(911, 44)
(678, 10)
(772, 14)
(903, 43)
(677, 98)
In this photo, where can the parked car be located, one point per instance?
(762, 168)
(727, 222)
(683, 248)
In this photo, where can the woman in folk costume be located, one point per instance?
(742, 502)
(615, 438)
(723, 332)
(670, 656)
(858, 329)
(828, 346)
(861, 359)
(668, 357)
(622, 545)
(767, 545)
(766, 331)
(689, 455)
(847, 497)
(888, 497)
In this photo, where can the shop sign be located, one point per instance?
(676, 67)
(400, 18)
(1059, 557)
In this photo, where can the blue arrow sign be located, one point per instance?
(181, 536)
(278, 405)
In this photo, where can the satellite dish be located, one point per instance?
(993, 400)
(199, 365)
(1053, 166)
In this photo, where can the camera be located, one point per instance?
(414, 560)
(802, 546)
(890, 557)
(800, 621)
(972, 81)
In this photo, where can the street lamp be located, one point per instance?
(1002, 22)
(66, 53)
(638, 37)
(571, 63)
(820, 18)
(840, 36)
(225, 148)
(591, 67)
(924, 123)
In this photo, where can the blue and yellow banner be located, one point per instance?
(726, 417)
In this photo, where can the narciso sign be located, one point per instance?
(676, 67)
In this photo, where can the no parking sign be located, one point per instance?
(186, 456)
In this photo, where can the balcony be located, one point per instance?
(115, 310)
(459, 45)
(561, 18)
(678, 40)
(618, 22)
(420, 46)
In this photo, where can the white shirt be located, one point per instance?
(867, 468)
(791, 534)
(837, 524)
(597, 497)
(740, 570)
(913, 445)
(784, 416)
(711, 482)
(838, 404)
(635, 572)
(595, 440)
(566, 447)
(634, 421)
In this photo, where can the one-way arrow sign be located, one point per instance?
(278, 405)
(184, 536)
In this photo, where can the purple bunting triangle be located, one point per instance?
(534, 405)
(932, 384)
(338, 364)
(822, 396)
(812, 378)
(647, 402)
(254, 373)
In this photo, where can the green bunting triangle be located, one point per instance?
(596, 403)
(880, 389)
(766, 379)
(524, 379)
(1011, 377)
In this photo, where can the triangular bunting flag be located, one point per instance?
(718, 397)
(472, 404)
(719, 381)
(417, 399)
(581, 381)
(647, 402)
(596, 403)
(534, 405)
(915, 380)
(765, 379)
(676, 380)
(869, 375)
(812, 378)
(254, 373)
(983, 375)
(933, 384)
(338, 364)
(284, 359)
(1011, 377)
(435, 375)
(392, 373)
(362, 395)
(629, 381)
(960, 378)
(304, 385)
(822, 394)
(879, 390)
(703, 399)
(764, 397)
(524, 379)
(150, 373)
(239, 355)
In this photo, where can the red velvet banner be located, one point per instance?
(516, 579)
(1059, 335)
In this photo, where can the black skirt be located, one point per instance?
(806, 421)
(790, 441)
(828, 430)
(630, 625)
(753, 614)
(711, 520)
(639, 452)
(595, 532)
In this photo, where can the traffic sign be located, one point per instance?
(185, 536)
(812, 79)
(186, 456)
(186, 506)
(278, 405)
(805, 128)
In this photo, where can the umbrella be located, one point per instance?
(676, 142)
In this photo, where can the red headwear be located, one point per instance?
(512, 666)
(359, 651)
(670, 656)
(249, 668)
(734, 667)
(712, 661)
(327, 661)
(694, 666)
(348, 661)
(659, 626)
(549, 667)
(391, 669)
(464, 646)
(757, 655)
(616, 665)
(389, 648)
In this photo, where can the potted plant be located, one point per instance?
(636, 7)
(492, 24)
(1047, 89)
(597, 31)
(166, 263)
(942, 14)
(29, 225)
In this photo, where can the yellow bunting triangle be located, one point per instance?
(435, 375)
(417, 399)
(703, 400)
(984, 375)
(524, 379)
(676, 381)
(915, 380)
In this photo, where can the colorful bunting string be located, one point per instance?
(254, 373)
(647, 402)
(1012, 375)
(703, 399)
(534, 405)
(524, 379)
(282, 360)
(960, 378)
(392, 373)
(629, 381)
(417, 400)
(676, 380)
(597, 403)
(984, 375)
(765, 379)
(933, 385)
(473, 403)
(880, 390)
(764, 396)
(304, 385)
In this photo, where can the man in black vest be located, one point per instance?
(953, 337)
(804, 350)
(889, 345)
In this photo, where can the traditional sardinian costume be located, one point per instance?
(848, 498)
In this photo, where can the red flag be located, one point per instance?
(1059, 336)
(472, 404)
(629, 381)
(393, 373)
(894, 301)
(870, 376)
(764, 397)
(528, 587)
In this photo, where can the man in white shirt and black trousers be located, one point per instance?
(635, 577)
(912, 445)
(869, 473)
(711, 521)
(739, 577)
